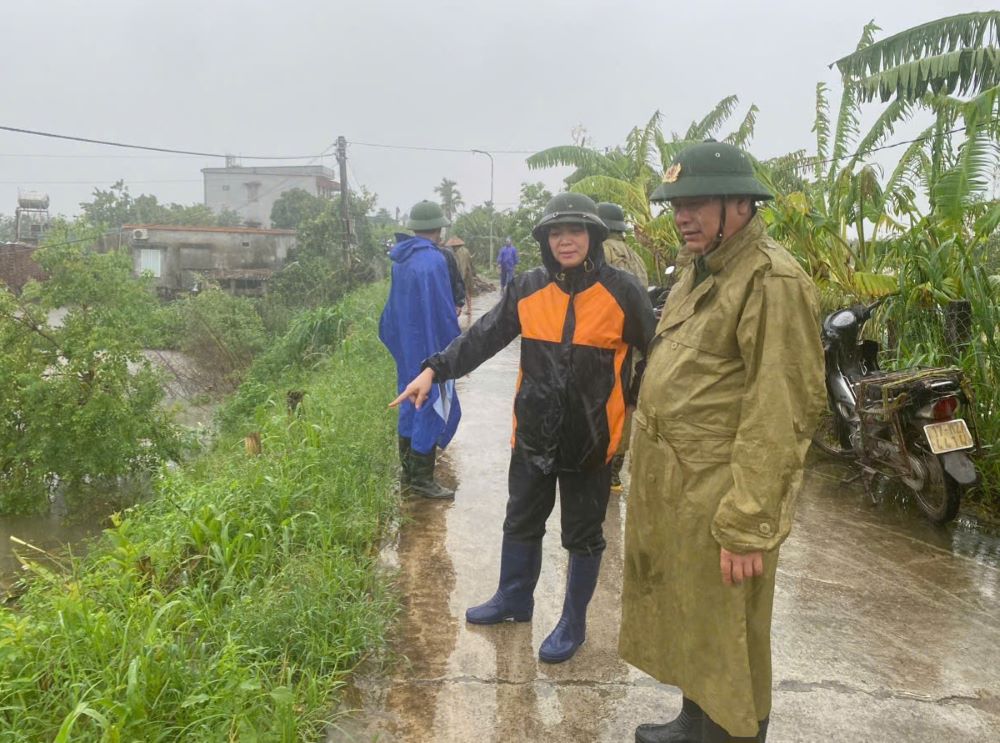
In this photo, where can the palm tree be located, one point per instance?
(451, 199)
(956, 54)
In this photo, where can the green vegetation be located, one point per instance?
(116, 206)
(80, 402)
(233, 604)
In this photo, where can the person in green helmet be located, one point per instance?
(420, 319)
(732, 391)
(620, 255)
(578, 319)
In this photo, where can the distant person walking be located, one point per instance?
(418, 321)
(507, 260)
(465, 269)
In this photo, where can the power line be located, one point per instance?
(110, 143)
(811, 162)
(437, 149)
(91, 182)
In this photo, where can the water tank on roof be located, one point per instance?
(33, 200)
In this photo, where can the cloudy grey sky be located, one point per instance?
(263, 77)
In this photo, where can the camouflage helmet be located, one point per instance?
(425, 216)
(612, 215)
(569, 208)
(710, 168)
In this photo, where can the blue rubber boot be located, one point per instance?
(571, 631)
(520, 564)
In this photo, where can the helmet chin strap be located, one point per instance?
(722, 226)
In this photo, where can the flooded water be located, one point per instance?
(63, 528)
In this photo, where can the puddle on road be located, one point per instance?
(894, 508)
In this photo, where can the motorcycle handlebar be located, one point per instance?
(869, 309)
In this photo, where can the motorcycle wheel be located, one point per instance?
(833, 437)
(940, 496)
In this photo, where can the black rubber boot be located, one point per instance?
(422, 481)
(685, 728)
(520, 564)
(404, 462)
(571, 631)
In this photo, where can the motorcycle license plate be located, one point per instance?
(948, 436)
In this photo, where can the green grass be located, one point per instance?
(234, 604)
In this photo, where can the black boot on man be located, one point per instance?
(422, 481)
(685, 728)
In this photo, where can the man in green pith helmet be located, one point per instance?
(620, 255)
(419, 320)
(731, 394)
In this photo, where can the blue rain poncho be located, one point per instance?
(418, 321)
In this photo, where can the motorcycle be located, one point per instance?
(909, 424)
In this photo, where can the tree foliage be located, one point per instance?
(115, 206)
(79, 400)
(451, 198)
(953, 55)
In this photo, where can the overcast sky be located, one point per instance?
(263, 77)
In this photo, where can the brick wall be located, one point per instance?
(16, 266)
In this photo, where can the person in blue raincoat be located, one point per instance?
(507, 260)
(418, 321)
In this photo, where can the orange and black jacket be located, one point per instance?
(577, 329)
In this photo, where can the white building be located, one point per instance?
(251, 192)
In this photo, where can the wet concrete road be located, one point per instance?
(885, 629)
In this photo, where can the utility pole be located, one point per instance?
(492, 205)
(345, 196)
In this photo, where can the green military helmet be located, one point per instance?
(612, 215)
(710, 168)
(426, 216)
(569, 208)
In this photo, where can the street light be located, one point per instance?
(492, 205)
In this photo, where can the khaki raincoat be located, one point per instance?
(731, 395)
(620, 255)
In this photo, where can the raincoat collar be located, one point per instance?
(719, 258)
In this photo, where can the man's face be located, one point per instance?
(698, 219)
(569, 244)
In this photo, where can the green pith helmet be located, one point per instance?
(569, 208)
(710, 168)
(612, 215)
(426, 216)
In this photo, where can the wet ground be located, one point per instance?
(886, 628)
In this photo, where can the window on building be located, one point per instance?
(225, 186)
(151, 259)
(253, 191)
